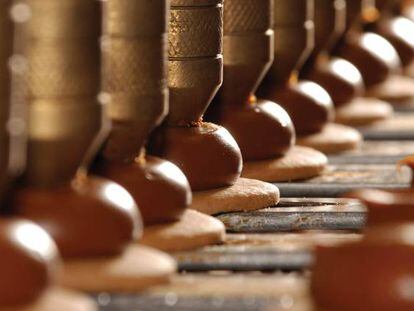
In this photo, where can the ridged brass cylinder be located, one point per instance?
(134, 72)
(294, 36)
(60, 68)
(65, 20)
(247, 48)
(6, 50)
(330, 23)
(195, 64)
(61, 46)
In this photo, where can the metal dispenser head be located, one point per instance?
(63, 81)
(294, 33)
(330, 23)
(247, 48)
(134, 73)
(195, 64)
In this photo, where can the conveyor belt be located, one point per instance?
(342, 178)
(273, 241)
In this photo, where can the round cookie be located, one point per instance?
(398, 90)
(244, 195)
(401, 122)
(363, 111)
(194, 230)
(298, 163)
(333, 138)
(136, 269)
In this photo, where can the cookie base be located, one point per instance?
(397, 90)
(333, 138)
(194, 230)
(58, 299)
(245, 195)
(299, 163)
(363, 111)
(138, 268)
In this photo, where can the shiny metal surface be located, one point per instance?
(195, 58)
(61, 47)
(134, 72)
(248, 48)
(294, 33)
(69, 19)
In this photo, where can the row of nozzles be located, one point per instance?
(65, 71)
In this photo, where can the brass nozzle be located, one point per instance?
(294, 33)
(61, 46)
(248, 48)
(195, 58)
(330, 23)
(134, 72)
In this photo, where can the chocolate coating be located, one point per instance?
(262, 130)
(341, 79)
(309, 106)
(206, 153)
(28, 258)
(159, 187)
(364, 276)
(374, 56)
(399, 31)
(90, 217)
